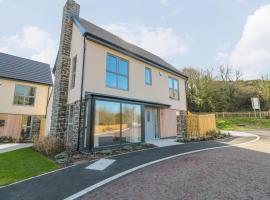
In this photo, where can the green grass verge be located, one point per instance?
(23, 163)
(242, 124)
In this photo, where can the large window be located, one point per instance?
(107, 123)
(173, 88)
(117, 73)
(24, 95)
(116, 123)
(73, 72)
(148, 76)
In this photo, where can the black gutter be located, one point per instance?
(81, 96)
(125, 99)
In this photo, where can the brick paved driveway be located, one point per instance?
(228, 173)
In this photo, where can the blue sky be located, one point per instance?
(200, 34)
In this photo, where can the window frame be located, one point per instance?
(121, 103)
(174, 89)
(150, 73)
(117, 73)
(15, 104)
(73, 72)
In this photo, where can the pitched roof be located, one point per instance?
(99, 33)
(13, 67)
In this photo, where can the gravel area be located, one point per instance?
(228, 173)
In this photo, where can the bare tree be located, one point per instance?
(263, 89)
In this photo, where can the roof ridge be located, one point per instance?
(122, 39)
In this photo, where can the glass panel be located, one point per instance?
(148, 115)
(123, 67)
(170, 83)
(28, 122)
(32, 91)
(18, 100)
(29, 101)
(155, 121)
(74, 63)
(122, 82)
(28, 91)
(175, 94)
(111, 63)
(19, 90)
(107, 123)
(26, 130)
(171, 93)
(111, 79)
(175, 84)
(131, 119)
(147, 76)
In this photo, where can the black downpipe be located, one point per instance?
(82, 82)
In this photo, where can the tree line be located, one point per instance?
(224, 92)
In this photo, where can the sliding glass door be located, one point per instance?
(116, 123)
(131, 123)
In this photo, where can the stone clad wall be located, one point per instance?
(73, 124)
(62, 69)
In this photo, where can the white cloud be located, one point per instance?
(164, 3)
(251, 54)
(34, 43)
(163, 42)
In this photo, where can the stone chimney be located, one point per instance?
(62, 69)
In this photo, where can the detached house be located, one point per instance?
(24, 91)
(109, 92)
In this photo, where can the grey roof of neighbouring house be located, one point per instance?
(102, 34)
(17, 68)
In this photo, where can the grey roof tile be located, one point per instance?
(98, 32)
(13, 67)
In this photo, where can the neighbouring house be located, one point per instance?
(24, 89)
(109, 92)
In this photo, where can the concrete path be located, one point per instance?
(66, 182)
(13, 146)
(164, 142)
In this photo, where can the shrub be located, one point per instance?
(49, 145)
(6, 139)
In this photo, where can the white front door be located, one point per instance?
(151, 124)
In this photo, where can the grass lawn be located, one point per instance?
(23, 163)
(243, 124)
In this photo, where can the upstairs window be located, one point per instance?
(24, 95)
(73, 72)
(173, 88)
(117, 73)
(148, 76)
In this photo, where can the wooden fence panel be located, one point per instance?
(168, 123)
(42, 127)
(223, 115)
(13, 125)
(198, 125)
